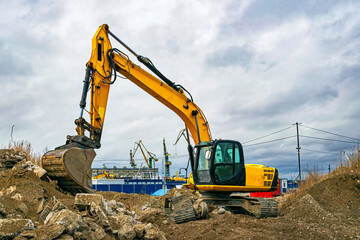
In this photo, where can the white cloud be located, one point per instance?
(278, 56)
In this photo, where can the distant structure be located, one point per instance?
(127, 173)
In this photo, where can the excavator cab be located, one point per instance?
(220, 162)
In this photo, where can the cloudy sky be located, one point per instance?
(254, 68)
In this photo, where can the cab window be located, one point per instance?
(226, 160)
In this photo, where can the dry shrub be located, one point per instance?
(351, 163)
(25, 146)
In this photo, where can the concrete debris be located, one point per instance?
(50, 231)
(83, 201)
(9, 157)
(69, 219)
(65, 237)
(221, 211)
(126, 232)
(10, 228)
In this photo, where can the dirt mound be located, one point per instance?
(22, 191)
(339, 195)
(333, 198)
(36, 207)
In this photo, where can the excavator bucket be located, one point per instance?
(71, 168)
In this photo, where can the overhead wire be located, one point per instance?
(327, 139)
(274, 140)
(339, 135)
(268, 135)
(317, 151)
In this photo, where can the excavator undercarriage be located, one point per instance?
(186, 208)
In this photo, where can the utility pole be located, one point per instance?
(298, 148)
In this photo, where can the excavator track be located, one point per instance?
(71, 168)
(268, 208)
(257, 207)
(185, 209)
(181, 208)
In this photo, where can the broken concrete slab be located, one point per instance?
(126, 232)
(139, 230)
(10, 228)
(69, 219)
(83, 200)
(118, 220)
(49, 232)
(9, 157)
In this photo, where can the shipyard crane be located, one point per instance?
(149, 157)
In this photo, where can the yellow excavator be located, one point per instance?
(105, 174)
(218, 167)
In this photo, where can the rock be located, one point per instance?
(10, 228)
(95, 232)
(3, 211)
(155, 203)
(83, 200)
(45, 213)
(18, 197)
(40, 206)
(151, 234)
(221, 211)
(9, 157)
(77, 235)
(120, 205)
(97, 211)
(126, 232)
(118, 220)
(122, 211)
(20, 238)
(58, 206)
(55, 209)
(148, 227)
(49, 232)
(64, 237)
(23, 208)
(10, 190)
(39, 171)
(139, 230)
(28, 234)
(69, 219)
(165, 222)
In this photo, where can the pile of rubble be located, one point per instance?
(31, 208)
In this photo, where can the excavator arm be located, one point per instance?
(102, 67)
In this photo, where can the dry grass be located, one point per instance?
(344, 164)
(25, 146)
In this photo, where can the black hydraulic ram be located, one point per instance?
(147, 62)
(85, 90)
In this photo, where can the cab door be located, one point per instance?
(227, 166)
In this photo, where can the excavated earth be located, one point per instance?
(34, 208)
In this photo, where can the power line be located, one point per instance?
(268, 135)
(327, 139)
(274, 140)
(310, 150)
(339, 135)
